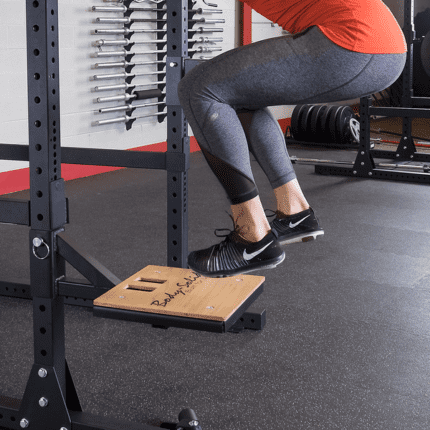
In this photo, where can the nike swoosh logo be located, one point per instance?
(297, 223)
(247, 256)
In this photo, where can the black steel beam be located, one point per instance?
(15, 288)
(15, 211)
(404, 112)
(77, 289)
(391, 175)
(418, 156)
(85, 264)
(14, 152)
(108, 157)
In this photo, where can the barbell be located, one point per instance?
(425, 168)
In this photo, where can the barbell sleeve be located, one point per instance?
(204, 49)
(124, 118)
(125, 64)
(124, 9)
(128, 20)
(123, 53)
(124, 75)
(126, 42)
(206, 30)
(109, 9)
(208, 21)
(125, 31)
(128, 107)
(207, 40)
(199, 11)
(118, 98)
(124, 86)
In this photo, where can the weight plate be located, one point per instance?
(305, 124)
(315, 128)
(297, 124)
(342, 125)
(354, 125)
(332, 123)
(294, 122)
(325, 131)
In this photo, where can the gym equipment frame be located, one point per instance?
(50, 400)
(413, 107)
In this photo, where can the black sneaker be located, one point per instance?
(300, 227)
(235, 255)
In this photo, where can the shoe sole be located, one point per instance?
(305, 237)
(270, 265)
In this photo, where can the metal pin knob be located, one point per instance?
(42, 373)
(43, 402)
(37, 241)
(24, 423)
(172, 64)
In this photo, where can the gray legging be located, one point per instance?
(306, 68)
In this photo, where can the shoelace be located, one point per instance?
(236, 229)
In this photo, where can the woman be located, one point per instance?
(341, 50)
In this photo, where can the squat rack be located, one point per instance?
(413, 107)
(50, 400)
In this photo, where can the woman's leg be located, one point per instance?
(289, 197)
(278, 71)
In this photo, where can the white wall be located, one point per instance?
(76, 23)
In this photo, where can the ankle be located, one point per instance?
(293, 210)
(255, 236)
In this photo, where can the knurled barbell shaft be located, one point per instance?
(125, 64)
(124, 53)
(133, 20)
(199, 11)
(128, 31)
(125, 31)
(126, 42)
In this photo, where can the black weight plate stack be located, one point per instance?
(315, 128)
(296, 121)
(325, 124)
(332, 123)
(322, 117)
(305, 126)
(343, 129)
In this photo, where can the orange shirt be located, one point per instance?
(365, 26)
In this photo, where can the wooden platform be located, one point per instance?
(181, 294)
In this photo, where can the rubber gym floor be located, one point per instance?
(347, 339)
